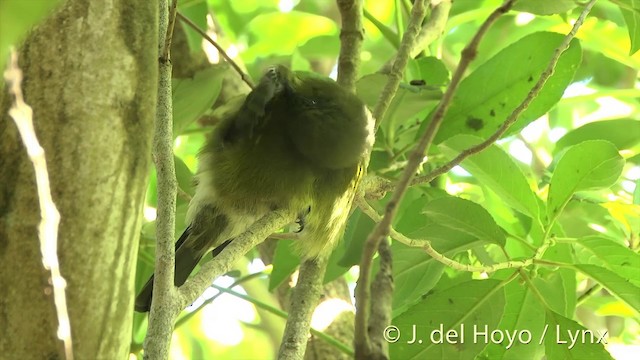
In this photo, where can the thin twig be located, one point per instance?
(184, 319)
(537, 166)
(426, 246)
(166, 52)
(363, 345)
(401, 60)
(434, 27)
(588, 293)
(535, 90)
(276, 311)
(184, 195)
(22, 115)
(431, 30)
(233, 64)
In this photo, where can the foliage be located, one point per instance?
(13, 28)
(563, 177)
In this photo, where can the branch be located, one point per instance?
(431, 30)
(362, 343)
(241, 245)
(22, 115)
(434, 27)
(163, 306)
(166, 55)
(382, 229)
(400, 63)
(382, 287)
(351, 37)
(233, 64)
(426, 246)
(533, 93)
(304, 299)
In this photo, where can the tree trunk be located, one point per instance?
(90, 76)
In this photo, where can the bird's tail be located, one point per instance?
(204, 232)
(186, 260)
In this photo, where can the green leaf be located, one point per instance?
(285, 262)
(594, 250)
(465, 216)
(432, 70)
(335, 268)
(195, 11)
(184, 176)
(16, 18)
(561, 293)
(545, 7)
(495, 169)
(448, 241)
(409, 105)
(557, 341)
(320, 46)
(488, 95)
(590, 165)
(414, 274)
(358, 228)
(523, 311)
(386, 31)
(631, 12)
(290, 29)
(621, 288)
(600, 36)
(550, 286)
(623, 133)
(193, 97)
(456, 310)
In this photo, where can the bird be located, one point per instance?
(297, 141)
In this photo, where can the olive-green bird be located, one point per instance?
(297, 142)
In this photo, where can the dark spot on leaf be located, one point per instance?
(503, 104)
(492, 112)
(530, 79)
(450, 301)
(418, 82)
(475, 123)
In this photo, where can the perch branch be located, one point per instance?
(254, 235)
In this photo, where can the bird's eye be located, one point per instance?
(308, 102)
